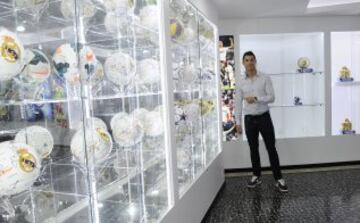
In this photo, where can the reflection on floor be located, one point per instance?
(327, 196)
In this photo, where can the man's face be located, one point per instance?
(249, 63)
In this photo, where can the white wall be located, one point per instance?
(345, 97)
(194, 204)
(207, 9)
(300, 150)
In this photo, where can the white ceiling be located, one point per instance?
(231, 9)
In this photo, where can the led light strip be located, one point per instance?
(328, 3)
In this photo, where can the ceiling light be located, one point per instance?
(327, 3)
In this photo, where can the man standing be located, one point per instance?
(257, 92)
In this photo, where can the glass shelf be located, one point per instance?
(103, 194)
(294, 106)
(76, 99)
(349, 83)
(294, 73)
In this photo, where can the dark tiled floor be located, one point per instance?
(313, 197)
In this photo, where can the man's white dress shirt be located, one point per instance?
(261, 87)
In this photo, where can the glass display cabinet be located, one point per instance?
(295, 63)
(86, 126)
(345, 69)
(194, 63)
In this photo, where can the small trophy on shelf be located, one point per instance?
(303, 64)
(345, 75)
(346, 127)
(297, 101)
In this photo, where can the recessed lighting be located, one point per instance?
(155, 193)
(20, 28)
(132, 210)
(327, 3)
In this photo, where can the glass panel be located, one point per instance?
(193, 50)
(209, 89)
(187, 98)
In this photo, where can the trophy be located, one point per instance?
(346, 127)
(297, 101)
(345, 75)
(303, 64)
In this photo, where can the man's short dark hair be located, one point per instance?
(249, 53)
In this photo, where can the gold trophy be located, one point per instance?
(345, 74)
(303, 64)
(346, 127)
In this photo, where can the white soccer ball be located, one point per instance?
(148, 71)
(153, 124)
(98, 145)
(19, 167)
(37, 68)
(37, 137)
(34, 6)
(149, 17)
(67, 9)
(188, 73)
(184, 158)
(192, 111)
(119, 6)
(65, 61)
(127, 129)
(120, 68)
(116, 24)
(92, 122)
(140, 114)
(12, 55)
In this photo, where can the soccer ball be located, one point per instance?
(11, 55)
(19, 167)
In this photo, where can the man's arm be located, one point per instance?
(270, 95)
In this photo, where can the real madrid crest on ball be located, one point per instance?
(11, 55)
(19, 167)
